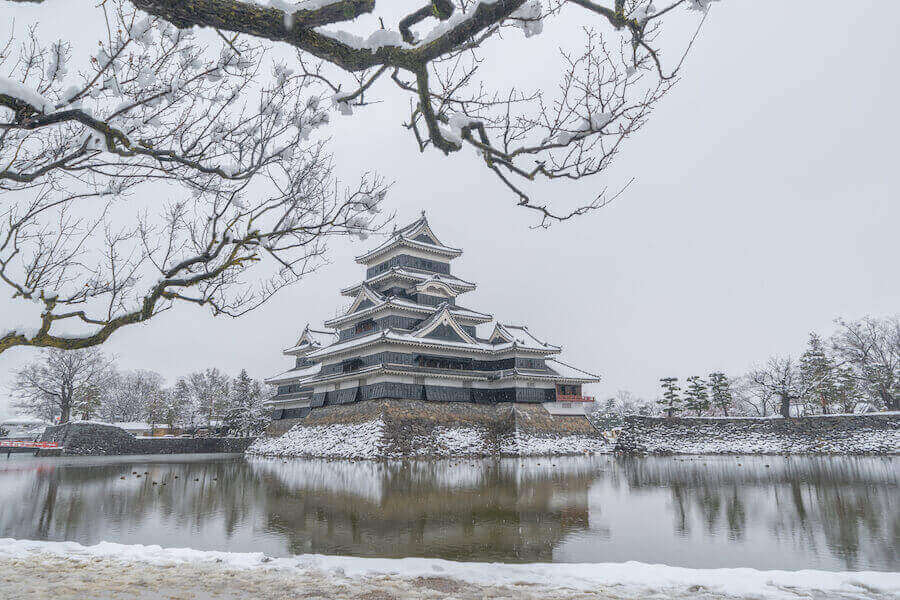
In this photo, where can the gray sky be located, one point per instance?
(765, 204)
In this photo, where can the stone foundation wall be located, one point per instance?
(377, 429)
(89, 439)
(842, 434)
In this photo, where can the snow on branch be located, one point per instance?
(437, 51)
(155, 172)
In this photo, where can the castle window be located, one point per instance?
(365, 327)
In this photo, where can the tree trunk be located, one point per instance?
(64, 411)
(785, 409)
(890, 402)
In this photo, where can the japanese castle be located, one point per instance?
(405, 336)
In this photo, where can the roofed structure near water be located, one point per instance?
(405, 335)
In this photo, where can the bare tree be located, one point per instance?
(752, 400)
(872, 347)
(51, 387)
(210, 390)
(626, 402)
(220, 143)
(779, 378)
(434, 52)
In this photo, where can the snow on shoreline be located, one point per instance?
(626, 578)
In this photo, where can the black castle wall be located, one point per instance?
(410, 262)
(411, 391)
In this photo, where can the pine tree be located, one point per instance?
(817, 374)
(847, 392)
(246, 414)
(696, 397)
(183, 397)
(238, 403)
(720, 392)
(257, 417)
(671, 400)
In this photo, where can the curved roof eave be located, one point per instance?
(399, 241)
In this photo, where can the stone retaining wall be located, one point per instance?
(378, 429)
(89, 439)
(840, 434)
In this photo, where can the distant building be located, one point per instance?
(136, 428)
(139, 428)
(405, 336)
(23, 428)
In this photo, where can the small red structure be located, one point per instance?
(27, 444)
(571, 393)
(573, 398)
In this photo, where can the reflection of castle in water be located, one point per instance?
(817, 512)
(465, 510)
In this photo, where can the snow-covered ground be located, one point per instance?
(368, 440)
(357, 440)
(67, 570)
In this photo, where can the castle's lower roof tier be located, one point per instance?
(396, 384)
(300, 387)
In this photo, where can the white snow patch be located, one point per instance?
(24, 93)
(528, 18)
(324, 441)
(624, 580)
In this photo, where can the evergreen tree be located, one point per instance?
(238, 402)
(720, 392)
(187, 414)
(817, 375)
(671, 400)
(696, 397)
(847, 391)
(258, 417)
(246, 414)
(610, 406)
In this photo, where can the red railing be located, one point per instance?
(21, 444)
(573, 398)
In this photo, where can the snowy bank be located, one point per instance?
(385, 429)
(187, 570)
(877, 434)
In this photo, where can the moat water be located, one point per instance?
(835, 513)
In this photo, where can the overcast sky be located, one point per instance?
(766, 203)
